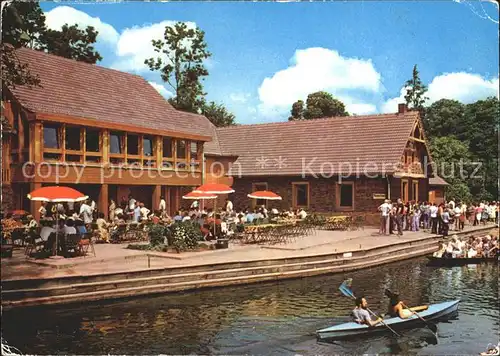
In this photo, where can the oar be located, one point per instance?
(432, 328)
(348, 293)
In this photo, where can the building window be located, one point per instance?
(92, 140)
(256, 187)
(116, 143)
(51, 136)
(181, 149)
(414, 187)
(404, 190)
(73, 138)
(132, 145)
(300, 193)
(147, 146)
(168, 160)
(346, 195)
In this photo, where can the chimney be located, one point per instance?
(402, 108)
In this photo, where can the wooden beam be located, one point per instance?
(20, 136)
(37, 142)
(35, 205)
(156, 197)
(118, 126)
(103, 200)
(417, 139)
(104, 142)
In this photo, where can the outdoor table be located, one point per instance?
(340, 222)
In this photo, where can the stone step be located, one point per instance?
(176, 270)
(217, 274)
(219, 282)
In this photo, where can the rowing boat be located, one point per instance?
(460, 261)
(346, 330)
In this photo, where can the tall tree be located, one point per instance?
(23, 25)
(444, 117)
(415, 91)
(72, 42)
(181, 64)
(218, 114)
(319, 104)
(452, 159)
(13, 71)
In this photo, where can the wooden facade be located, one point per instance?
(105, 160)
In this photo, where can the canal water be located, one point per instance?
(270, 318)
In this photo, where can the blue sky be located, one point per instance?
(267, 55)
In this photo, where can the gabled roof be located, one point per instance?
(89, 91)
(437, 180)
(353, 144)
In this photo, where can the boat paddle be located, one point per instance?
(345, 290)
(431, 327)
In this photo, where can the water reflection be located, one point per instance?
(270, 318)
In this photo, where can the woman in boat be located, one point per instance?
(396, 308)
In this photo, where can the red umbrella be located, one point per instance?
(264, 194)
(214, 188)
(201, 196)
(57, 194)
(19, 212)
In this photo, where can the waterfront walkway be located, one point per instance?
(111, 258)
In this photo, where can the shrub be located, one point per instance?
(184, 236)
(157, 235)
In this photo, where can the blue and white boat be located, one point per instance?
(346, 330)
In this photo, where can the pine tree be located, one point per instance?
(415, 92)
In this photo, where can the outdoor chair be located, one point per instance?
(72, 244)
(85, 243)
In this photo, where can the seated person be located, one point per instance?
(249, 217)
(47, 229)
(102, 228)
(80, 227)
(302, 214)
(396, 306)
(177, 216)
(185, 217)
(361, 315)
(439, 253)
(69, 228)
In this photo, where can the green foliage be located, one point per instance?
(23, 25)
(157, 234)
(180, 62)
(415, 91)
(218, 114)
(319, 104)
(72, 42)
(444, 117)
(183, 236)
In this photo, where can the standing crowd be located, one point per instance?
(439, 218)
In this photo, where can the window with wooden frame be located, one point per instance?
(181, 158)
(404, 190)
(73, 144)
(52, 142)
(195, 155)
(167, 153)
(414, 190)
(117, 147)
(133, 152)
(300, 194)
(345, 196)
(256, 187)
(148, 151)
(93, 145)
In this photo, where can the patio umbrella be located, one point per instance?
(214, 188)
(19, 212)
(57, 194)
(199, 196)
(264, 194)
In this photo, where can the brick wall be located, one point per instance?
(322, 192)
(7, 197)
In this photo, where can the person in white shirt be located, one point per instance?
(163, 205)
(302, 214)
(457, 211)
(69, 227)
(46, 230)
(384, 209)
(43, 210)
(194, 205)
(229, 206)
(86, 213)
(144, 211)
(264, 211)
(451, 204)
(186, 217)
(434, 218)
(131, 203)
(274, 211)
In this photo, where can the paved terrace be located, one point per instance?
(117, 258)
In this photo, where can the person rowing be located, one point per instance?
(396, 306)
(361, 315)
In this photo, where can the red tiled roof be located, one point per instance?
(326, 146)
(93, 92)
(436, 180)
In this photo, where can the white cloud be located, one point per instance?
(315, 69)
(239, 97)
(162, 90)
(61, 15)
(134, 45)
(464, 87)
